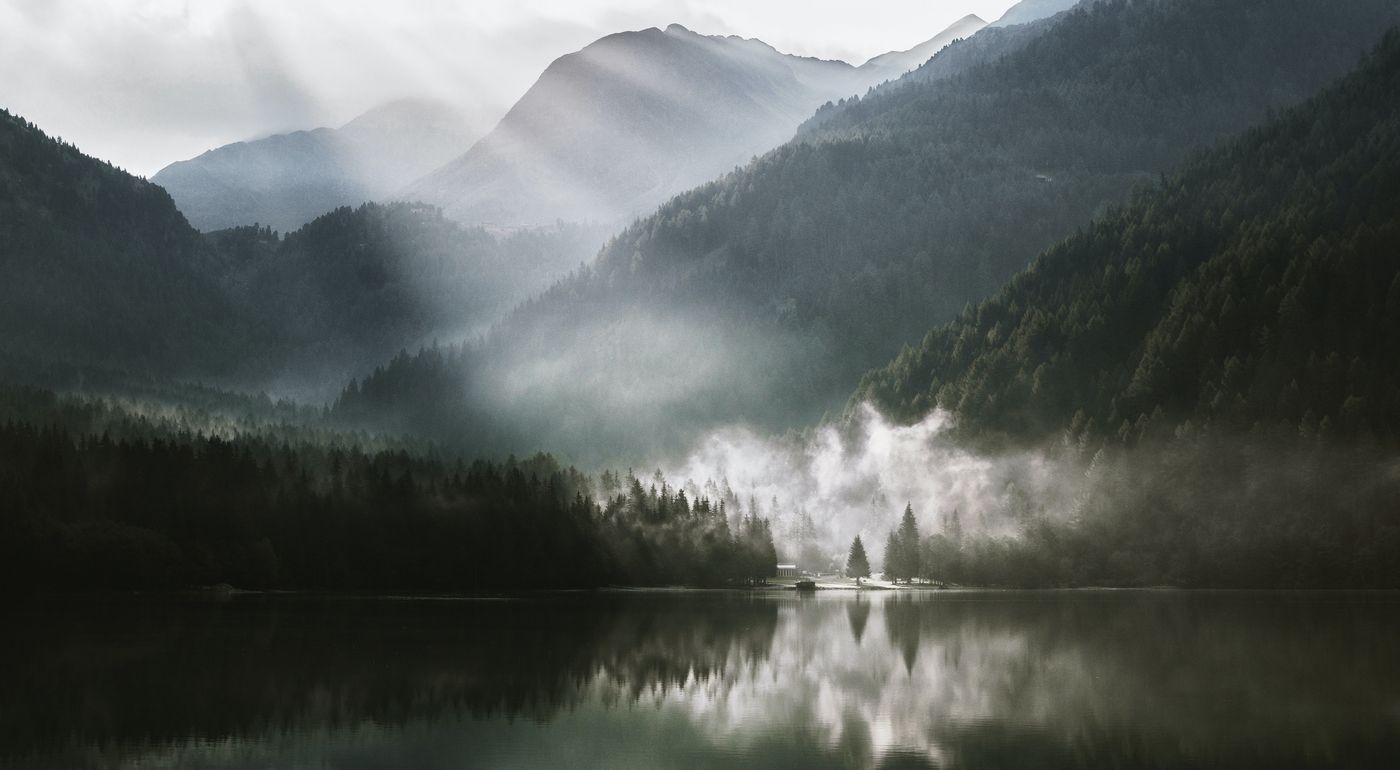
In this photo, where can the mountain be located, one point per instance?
(1254, 290)
(286, 180)
(892, 65)
(762, 297)
(1028, 11)
(609, 132)
(98, 266)
(100, 271)
(1204, 380)
(355, 286)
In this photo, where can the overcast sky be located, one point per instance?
(143, 83)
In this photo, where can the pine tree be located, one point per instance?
(857, 565)
(892, 561)
(908, 544)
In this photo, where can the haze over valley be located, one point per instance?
(673, 239)
(633, 384)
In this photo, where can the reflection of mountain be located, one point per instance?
(952, 680)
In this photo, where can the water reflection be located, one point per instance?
(943, 679)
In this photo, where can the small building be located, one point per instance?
(789, 571)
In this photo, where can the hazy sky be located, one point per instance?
(143, 83)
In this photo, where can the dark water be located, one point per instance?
(975, 680)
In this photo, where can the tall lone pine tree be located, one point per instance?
(857, 565)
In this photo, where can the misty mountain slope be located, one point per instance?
(896, 63)
(610, 131)
(1256, 289)
(764, 296)
(286, 180)
(1028, 11)
(99, 270)
(354, 286)
(97, 266)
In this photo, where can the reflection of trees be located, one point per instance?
(858, 612)
(140, 672)
(989, 679)
(1108, 679)
(904, 616)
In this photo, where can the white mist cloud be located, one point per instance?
(856, 479)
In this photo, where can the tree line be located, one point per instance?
(168, 509)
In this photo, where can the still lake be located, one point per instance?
(706, 679)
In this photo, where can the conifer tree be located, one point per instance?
(908, 542)
(892, 569)
(857, 565)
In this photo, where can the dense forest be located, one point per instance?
(1217, 361)
(96, 263)
(1255, 288)
(762, 296)
(140, 505)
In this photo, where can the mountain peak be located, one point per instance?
(678, 29)
(896, 63)
(1028, 11)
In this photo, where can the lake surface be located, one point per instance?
(662, 679)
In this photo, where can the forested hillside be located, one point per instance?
(355, 286)
(98, 265)
(1258, 287)
(1209, 372)
(101, 497)
(762, 296)
(100, 272)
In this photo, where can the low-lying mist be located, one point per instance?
(830, 484)
(1184, 506)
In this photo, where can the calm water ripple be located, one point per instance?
(876, 680)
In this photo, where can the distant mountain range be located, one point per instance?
(762, 296)
(100, 272)
(896, 63)
(612, 131)
(1028, 11)
(286, 180)
(606, 134)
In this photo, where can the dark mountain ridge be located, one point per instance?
(1254, 289)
